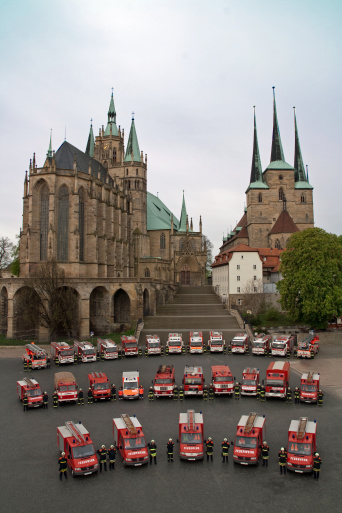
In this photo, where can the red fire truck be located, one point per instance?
(308, 347)
(63, 352)
(240, 343)
(175, 343)
(129, 345)
(277, 379)
(282, 344)
(191, 436)
(74, 440)
(302, 445)
(193, 380)
(35, 355)
(250, 381)
(164, 381)
(261, 344)
(130, 385)
(107, 349)
(222, 379)
(130, 441)
(251, 431)
(85, 351)
(99, 383)
(32, 389)
(153, 345)
(66, 387)
(196, 342)
(216, 343)
(309, 386)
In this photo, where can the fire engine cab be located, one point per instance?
(250, 381)
(191, 436)
(240, 343)
(35, 355)
(309, 386)
(74, 440)
(63, 352)
(99, 383)
(216, 343)
(261, 344)
(302, 445)
(250, 434)
(193, 380)
(130, 385)
(281, 345)
(85, 351)
(130, 441)
(153, 344)
(107, 349)
(32, 389)
(66, 387)
(222, 379)
(196, 342)
(175, 343)
(164, 381)
(129, 345)
(277, 379)
(308, 347)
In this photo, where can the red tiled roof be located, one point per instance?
(284, 224)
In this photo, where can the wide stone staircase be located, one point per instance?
(192, 309)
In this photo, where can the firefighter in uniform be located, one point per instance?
(264, 453)
(75, 359)
(183, 350)
(204, 348)
(111, 456)
(169, 449)
(45, 401)
(205, 392)
(63, 466)
(312, 354)
(113, 393)
(120, 393)
(140, 352)
(258, 391)
(320, 397)
(146, 352)
(80, 397)
(289, 395)
(229, 349)
(161, 350)
(247, 349)
(30, 365)
(209, 448)
(211, 392)
(141, 392)
(225, 450)
(167, 350)
(317, 462)
(25, 365)
(98, 356)
(175, 393)
(103, 457)
(181, 393)
(237, 390)
(265, 351)
(262, 394)
(79, 358)
(90, 396)
(297, 395)
(282, 460)
(288, 352)
(55, 399)
(224, 348)
(56, 361)
(295, 352)
(150, 394)
(153, 451)
(25, 402)
(48, 362)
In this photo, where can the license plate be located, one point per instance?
(87, 473)
(243, 463)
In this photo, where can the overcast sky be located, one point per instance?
(191, 71)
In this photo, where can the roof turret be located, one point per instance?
(277, 148)
(111, 128)
(49, 152)
(91, 141)
(132, 149)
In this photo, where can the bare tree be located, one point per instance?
(209, 247)
(253, 298)
(6, 248)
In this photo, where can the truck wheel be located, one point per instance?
(73, 473)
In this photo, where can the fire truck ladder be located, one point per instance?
(75, 431)
(250, 422)
(129, 424)
(310, 377)
(191, 419)
(35, 349)
(301, 428)
(163, 369)
(29, 382)
(98, 375)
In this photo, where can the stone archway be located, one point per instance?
(146, 303)
(122, 307)
(188, 271)
(25, 315)
(3, 311)
(99, 310)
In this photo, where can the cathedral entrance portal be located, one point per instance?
(185, 278)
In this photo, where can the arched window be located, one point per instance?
(114, 155)
(260, 197)
(281, 194)
(81, 222)
(137, 172)
(302, 198)
(63, 224)
(277, 244)
(44, 221)
(147, 272)
(162, 241)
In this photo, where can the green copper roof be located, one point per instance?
(49, 153)
(184, 215)
(91, 143)
(303, 185)
(277, 148)
(111, 118)
(279, 164)
(257, 185)
(158, 215)
(132, 146)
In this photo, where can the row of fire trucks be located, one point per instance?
(129, 441)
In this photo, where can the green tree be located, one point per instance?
(311, 266)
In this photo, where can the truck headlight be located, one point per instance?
(307, 466)
(253, 459)
(289, 464)
(129, 459)
(78, 469)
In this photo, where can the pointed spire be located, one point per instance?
(298, 160)
(307, 173)
(256, 170)
(111, 128)
(277, 148)
(132, 150)
(183, 217)
(49, 152)
(191, 226)
(91, 141)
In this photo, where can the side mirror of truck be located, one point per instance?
(120, 447)
(263, 381)
(177, 441)
(232, 443)
(69, 456)
(152, 381)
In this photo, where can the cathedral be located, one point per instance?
(122, 250)
(279, 200)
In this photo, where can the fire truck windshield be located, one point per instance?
(39, 356)
(67, 388)
(303, 345)
(163, 381)
(67, 352)
(175, 343)
(245, 442)
(111, 349)
(249, 382)
(193, 381)
(130, 385)
(191, 438)
(309, 388)
(220, 379)
(130, 344)
(196, 344)
(34, 392)
(101, 386)
(88, 351)
(238, 343)
(299, 448)
(153, 344)
(83, 451)
(278, 345)
(135, 443)
(258, 344)
(275, 383)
